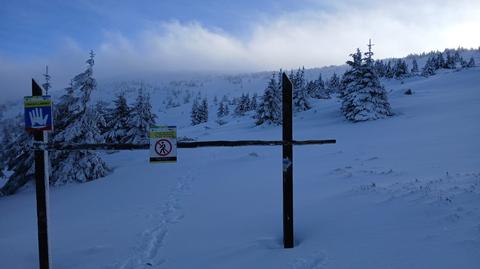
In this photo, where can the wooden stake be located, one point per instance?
(288, 239)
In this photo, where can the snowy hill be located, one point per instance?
(402, 192)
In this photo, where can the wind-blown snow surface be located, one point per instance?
(403, 192)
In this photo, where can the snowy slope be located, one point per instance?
(403, 192)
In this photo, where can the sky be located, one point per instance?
(132, 39)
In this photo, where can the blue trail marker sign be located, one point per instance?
(38, 113)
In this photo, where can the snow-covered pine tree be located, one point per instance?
(320, 91)
(20, 163)
(46, 86)
(103, 116)
(141, 118)
(195, 112)
(471, 62)
(333, 84)
(242, 106)
(253, 102)
(364, 98)
(301, 100)
(311, 88)
(429, 68)
(449, 63)
(389, 70)
(8, 137)
(380, 68)
(269, 109)
(80, 128)
(221, 111)
(414, 69)
(401, 69)
(203, 110)
(118, 125)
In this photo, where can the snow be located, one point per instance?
(401, 192)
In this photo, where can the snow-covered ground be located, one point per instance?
(403, 192)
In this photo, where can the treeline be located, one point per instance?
(267, 108)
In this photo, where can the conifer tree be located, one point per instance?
(119, 121)
(253, 102)
(195, 114)
(222, 110)
(301, 100)
(269, 109)
(429, 68)
(203, 110)
(450, 62)
(414, 69)
(20, 163)
(79, 128)
(401, 69)
(380, 68)
(471, 62)
(364, 98)
(243, 105)
(141, 119)
(334, 84)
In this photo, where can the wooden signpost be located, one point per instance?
(41, 188)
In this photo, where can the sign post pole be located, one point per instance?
(288, 241)
(41, 186)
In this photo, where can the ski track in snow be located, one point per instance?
(148, 254)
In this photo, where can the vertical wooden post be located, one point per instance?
(288, 241)
(41, 186)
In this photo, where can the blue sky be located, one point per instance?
(34, 27)
(134, 38)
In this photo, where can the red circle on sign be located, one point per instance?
(163, 147)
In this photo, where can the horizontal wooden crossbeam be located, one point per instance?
(193, 144)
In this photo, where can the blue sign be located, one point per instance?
(38, 113)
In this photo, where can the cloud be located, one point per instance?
(312, 38)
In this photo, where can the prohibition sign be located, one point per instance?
(163, 147)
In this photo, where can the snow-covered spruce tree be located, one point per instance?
(118, 124)
(270, 108)
(364, 98)
(401, 69)
(301, 100)
(253, 102)
(141, 118)
(449, 62)
(380, 68)
(20, 162)
(80, 127)
(195, 114)
(199, 112)
(103, 116)
(471, 62)
(9, 133)
(203, 110)
(333, 84)
(429, 68)
(414, 69)
(243, 105)
(320, 92)
(222, 110)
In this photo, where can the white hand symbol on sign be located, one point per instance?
(37, 119)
